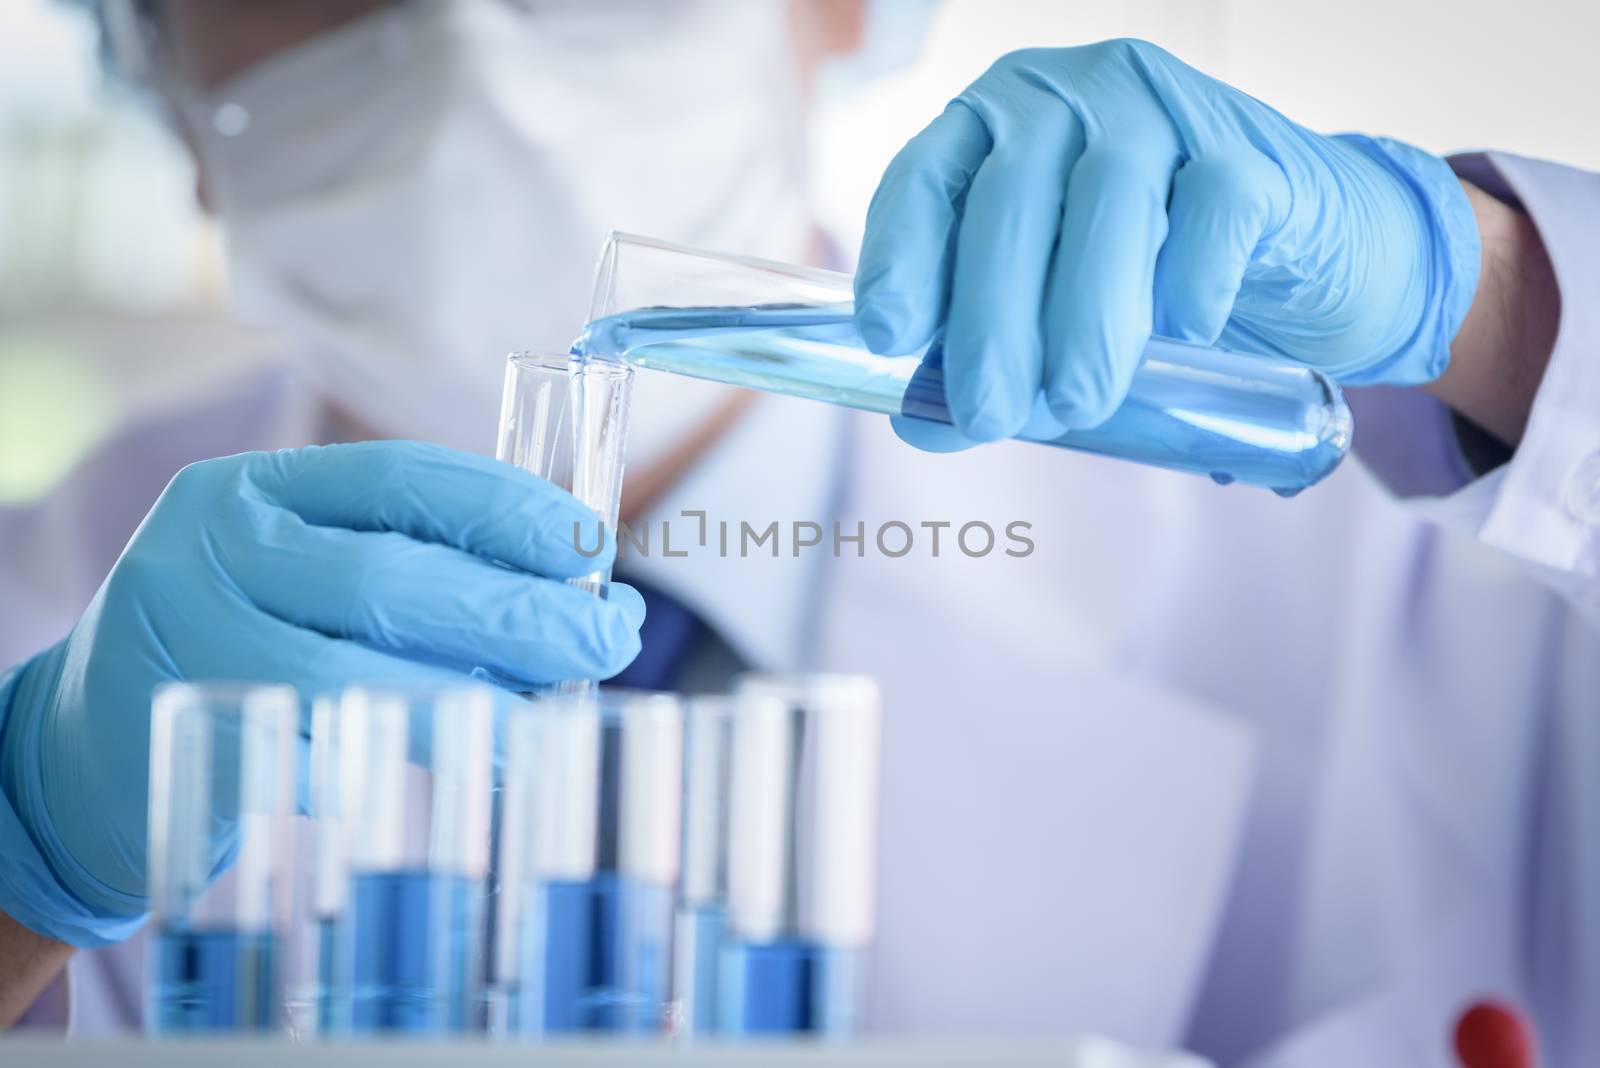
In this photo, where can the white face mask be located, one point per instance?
(414, 195)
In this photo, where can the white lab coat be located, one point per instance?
(1286, 781)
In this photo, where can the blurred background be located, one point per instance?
(112, 295)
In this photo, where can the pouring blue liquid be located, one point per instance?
(1206, 411)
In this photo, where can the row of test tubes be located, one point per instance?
(466, 862)
(572, 861)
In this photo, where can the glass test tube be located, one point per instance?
(790, 330)
(588, 858)
(404, 934)
(220, 865)
(324, 880)
(802, 839)
(703, 890)
(567, 421)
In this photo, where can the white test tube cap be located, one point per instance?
(600, 775)
(416, 770)
(707, 751)
(803, 809)
(329, 887)
(252, 729)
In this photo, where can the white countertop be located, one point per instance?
(137, 1053)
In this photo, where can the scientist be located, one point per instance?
(446, 212)
(1291, 783)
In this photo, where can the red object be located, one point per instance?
(1493, 1034)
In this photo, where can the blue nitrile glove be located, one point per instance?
(386, 563)
(1072, 199)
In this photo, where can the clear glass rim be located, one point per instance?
(565, 363)
(612, 705)
(623, 239)
(710, 704)
(822, 688)
(222, 692)
(412, 693)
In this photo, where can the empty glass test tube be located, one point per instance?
(566, 421)
(588, 857)
(802, 817)
(789, 329)
(222, 804)
(703, 887)
(404, 935)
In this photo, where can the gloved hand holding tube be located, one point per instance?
(1072, 201)
(389, 563)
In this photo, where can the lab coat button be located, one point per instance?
(1583, 491)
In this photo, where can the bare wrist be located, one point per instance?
(28, 964)
(1498, 358)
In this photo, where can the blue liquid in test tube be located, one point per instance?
(327, 981)
(402, 927)
(413, 938)
(588, 853)
(699, 933)
(222, 762)
(214, 980)
(1190, 408)
(599, 945)
(702, 915)
(789, 986)
(802, 791)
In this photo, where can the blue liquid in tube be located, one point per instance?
(595, 957)
(787, 987)
(328, 995)
(414, 944)
(210, 980)
(699, 936)
(1191, 408)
